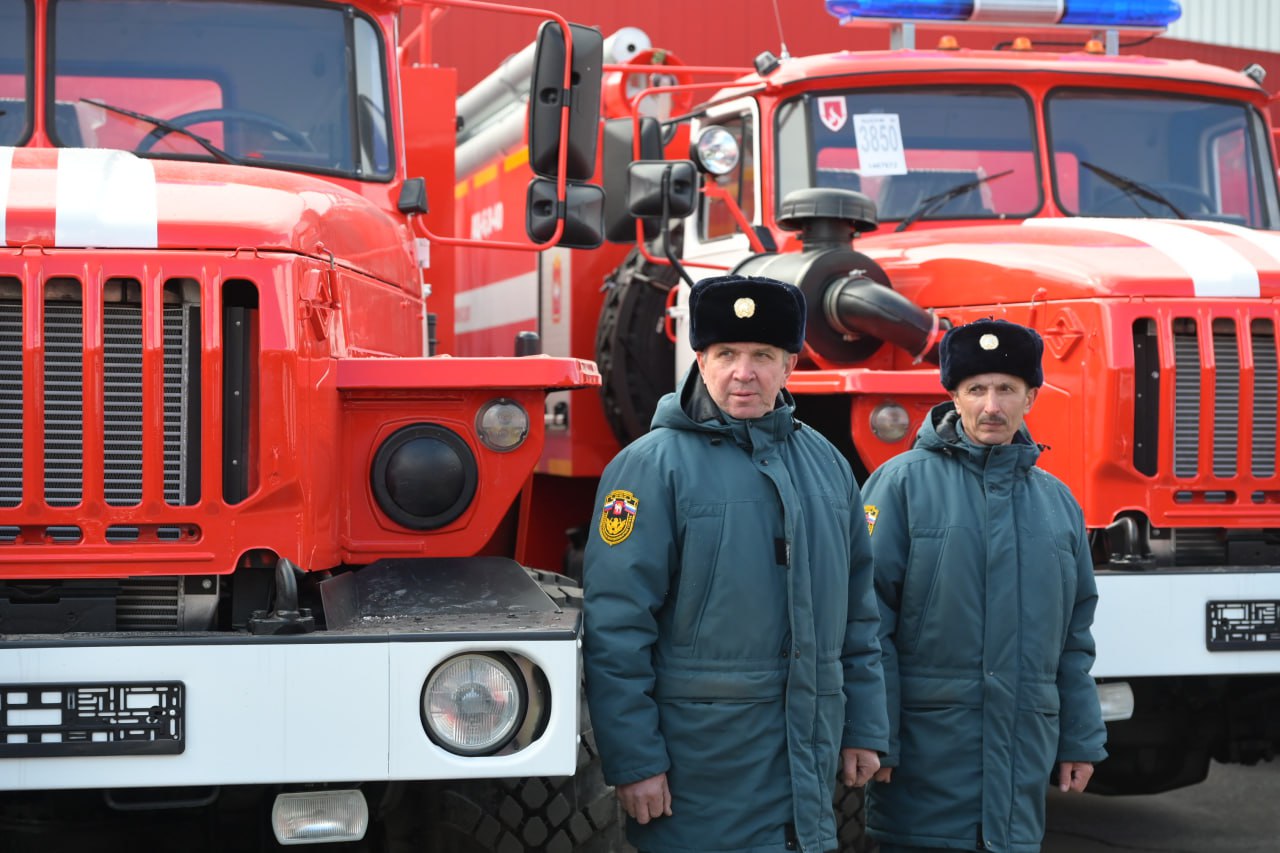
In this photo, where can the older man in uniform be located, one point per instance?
(986, 592)
(730, 645)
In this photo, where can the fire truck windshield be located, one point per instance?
(1135, 154)
(283, 85)
(908, 149)
(1114, 152)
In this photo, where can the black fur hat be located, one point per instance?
(746, 309)
(991, 346)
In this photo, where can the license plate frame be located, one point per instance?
(92, 718)
(1242, 626)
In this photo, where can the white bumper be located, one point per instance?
(287, 710)
(1154, 624)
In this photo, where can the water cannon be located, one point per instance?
(852, 306)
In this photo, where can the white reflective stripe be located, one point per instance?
(6, 170)
(1267, 241)
(1214, 267)
(105, 199)
(511, 300)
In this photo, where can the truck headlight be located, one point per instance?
(472, 704)
(502, 425)
(424, 476)
(716, 150)
(890, 422)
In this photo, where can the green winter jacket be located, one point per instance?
(730, 629)
(986, 593)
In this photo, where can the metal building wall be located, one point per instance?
(705, 32)
(1253, 24)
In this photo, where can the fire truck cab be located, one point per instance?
(256, 523)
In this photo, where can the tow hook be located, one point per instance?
(287, 617)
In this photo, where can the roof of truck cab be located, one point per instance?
(808, 69)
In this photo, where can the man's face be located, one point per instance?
(744, 379)
(992, 406)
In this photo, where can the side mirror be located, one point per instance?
(547, 95)
(583, 215)
(662, 188)
(619, 224)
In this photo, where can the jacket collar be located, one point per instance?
(943, 432)
(691, 408)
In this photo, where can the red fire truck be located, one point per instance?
(1124, 206)
(256, 523)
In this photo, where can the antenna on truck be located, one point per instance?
(777, 16)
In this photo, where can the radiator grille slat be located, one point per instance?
(1226, 399)
(1186, 400)
(1266, 398)
(63, 404)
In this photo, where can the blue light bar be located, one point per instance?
(1119, 13)
(922, 10)
(1098, 13)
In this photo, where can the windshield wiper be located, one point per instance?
(933, 202)
(1134, 190)
(169, 126)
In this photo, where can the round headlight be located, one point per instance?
(473, 704)
(502, 425)
(716, 150)
(424, 476)
(890, 422)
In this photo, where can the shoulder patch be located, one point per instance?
(618, 516)
(873, 512)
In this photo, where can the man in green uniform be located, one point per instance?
(986, 592)
(732, 665)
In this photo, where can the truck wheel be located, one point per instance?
(636, 359)
(851, 821)
(571, 814)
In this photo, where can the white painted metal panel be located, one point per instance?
(1154, 624)
(276, 712)
(1253, 24)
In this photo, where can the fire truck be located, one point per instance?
(257, 522)
(1023, 163)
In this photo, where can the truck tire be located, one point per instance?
(570, 814)
(565, 814)
(636, 358)
(851, 821)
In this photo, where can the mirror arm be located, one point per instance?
(666, 228)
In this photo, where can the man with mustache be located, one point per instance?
(985, 584)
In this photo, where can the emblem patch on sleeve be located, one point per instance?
(873, 513)
(618, 516)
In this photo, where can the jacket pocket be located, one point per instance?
(1048, 583)
(918, 586)
(699, 552)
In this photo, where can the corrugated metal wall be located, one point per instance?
(1253, 24)
(703, 32)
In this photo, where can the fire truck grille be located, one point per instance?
(1224, 392)
(62, 452)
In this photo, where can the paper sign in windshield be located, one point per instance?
(879, 145)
